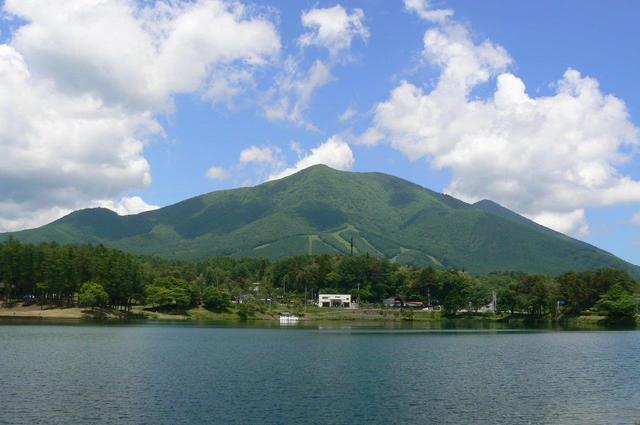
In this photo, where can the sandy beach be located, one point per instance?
(44, 312)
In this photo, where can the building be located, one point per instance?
(393, 302)
(334, 300)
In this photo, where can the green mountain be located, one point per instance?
(320, 210)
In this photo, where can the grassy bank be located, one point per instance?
(310, 314)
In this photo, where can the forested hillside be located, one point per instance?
(66, 275)
(322, 211)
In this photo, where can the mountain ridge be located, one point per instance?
(319, 210)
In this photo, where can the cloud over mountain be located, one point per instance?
(80, 87)
(547, 157)
(335, 153)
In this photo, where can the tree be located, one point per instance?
(248, 308)
(618, 304)
(169, 292)
(215, 298)
(425, 284)
(508, 298)
(93, 294)
(538, 294)
(453, 296)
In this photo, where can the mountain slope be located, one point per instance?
(320, 210)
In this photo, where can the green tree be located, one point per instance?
(169, 292)
(92, 294)
(215, 298)
(453, 292)
(618, 304)
(247, 309)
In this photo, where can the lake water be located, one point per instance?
(189, 374)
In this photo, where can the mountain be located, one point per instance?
(320, 210)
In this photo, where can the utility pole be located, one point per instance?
(494, 301)
(352, 246)
(284, 289)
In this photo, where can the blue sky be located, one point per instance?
(160, 134)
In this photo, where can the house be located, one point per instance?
(334, 300)
(400, 302)
(393, 302)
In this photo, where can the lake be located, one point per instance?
(222, 374)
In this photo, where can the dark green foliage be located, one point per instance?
(319, 210)
(321, 215)
(92, 294)
(58, 274)
(247, 309)
(215, 299)
(618, 304)
(101, 223)
(220, 218)
(54, 274)
(452, 292)
(169, 292)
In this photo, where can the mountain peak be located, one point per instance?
(320, 210)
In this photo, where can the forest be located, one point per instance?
(93, 275)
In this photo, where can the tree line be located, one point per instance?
(50, 273)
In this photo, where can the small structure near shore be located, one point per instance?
(334, 300)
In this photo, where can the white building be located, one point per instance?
(334, 300)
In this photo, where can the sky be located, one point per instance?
(134, 105)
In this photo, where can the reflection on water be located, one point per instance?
(322, 373)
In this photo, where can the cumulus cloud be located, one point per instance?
(217, 173)
(334, 152)
(138, 55)
(126, 205)
(59, 152)
(260, 155)
(333, 29)
(81, 83)
(547, 157)
(424, 10)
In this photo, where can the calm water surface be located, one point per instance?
(177, 374)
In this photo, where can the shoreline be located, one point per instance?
(369, 316)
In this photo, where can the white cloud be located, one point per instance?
(333, 28)
(294, 91)
(423, 9)
(137, 55)
(334, 152)
(371, 137)
(225, 87)
(126, 205)
(15, 217)
(82, 81)
(348, 113)
(546, 157)
(570, 223)
(62, 151)
(260, 155)
(217, 173)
